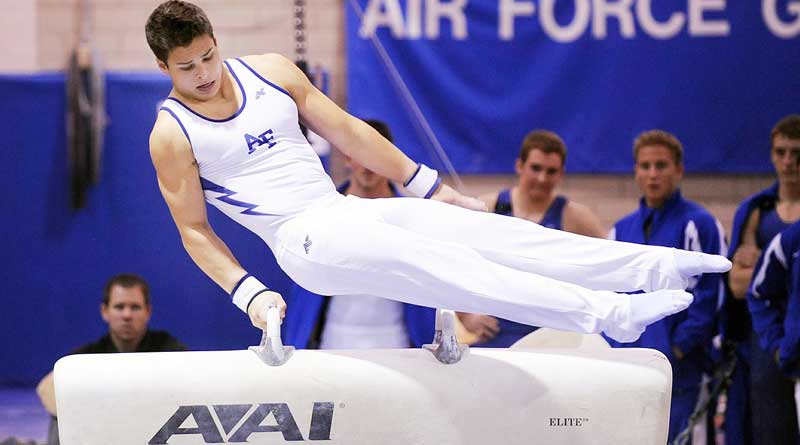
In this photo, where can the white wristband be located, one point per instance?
(423, 182)
(246, 289)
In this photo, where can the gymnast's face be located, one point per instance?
(195, 70)
(657, 174)
(127, 314)
(539, 174)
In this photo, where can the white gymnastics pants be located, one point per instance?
(434, 254)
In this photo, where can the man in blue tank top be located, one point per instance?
(760, 406)
(665, 218)
(540, 169)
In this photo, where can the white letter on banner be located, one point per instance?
(453, 10)
(700, 27)
(569, 33)
(655, 29)
(620, 9)
(769, 9)
(414, 19)
(508, 10)
(373, 18)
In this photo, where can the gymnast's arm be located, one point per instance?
(352, 136)
(179, 182)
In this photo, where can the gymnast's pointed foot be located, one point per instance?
(691, 263)
(647, 308)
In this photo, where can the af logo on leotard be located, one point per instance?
(254, 142)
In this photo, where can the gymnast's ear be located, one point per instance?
(162, 66)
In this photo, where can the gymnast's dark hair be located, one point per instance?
(175, 23)
(126, 280)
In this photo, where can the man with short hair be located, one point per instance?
(217, 140)
(126, 309)
(540, 170)
(666, 218)
(760, 405)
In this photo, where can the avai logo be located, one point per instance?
(237, 425)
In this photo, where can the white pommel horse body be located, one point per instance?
(455, 395)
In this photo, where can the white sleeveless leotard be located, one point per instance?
(255, 166)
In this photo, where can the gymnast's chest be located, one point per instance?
(253, 137)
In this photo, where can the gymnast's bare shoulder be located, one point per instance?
(281, 71)
(167, 135)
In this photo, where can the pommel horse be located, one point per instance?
(443, 393)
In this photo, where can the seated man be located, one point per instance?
(540, 169)
(348, 322)
(126, 309)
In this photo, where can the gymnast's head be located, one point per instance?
(182, 39)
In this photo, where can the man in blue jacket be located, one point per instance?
(774, 300)
(759, 408)
(346, 322)
(774, 304)
(665, 218)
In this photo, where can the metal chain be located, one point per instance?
(300, 30)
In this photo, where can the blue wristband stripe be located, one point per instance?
(433, 189)
(253, 298)
(241, 280)
(419, 167)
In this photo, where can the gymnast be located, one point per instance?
(229, 134)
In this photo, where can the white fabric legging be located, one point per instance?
(434, 254)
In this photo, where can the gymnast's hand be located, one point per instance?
(258, 308)
(450, 196)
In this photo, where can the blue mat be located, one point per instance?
(22, 416)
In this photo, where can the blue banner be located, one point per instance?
(480, 74)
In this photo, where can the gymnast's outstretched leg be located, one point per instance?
(520, 244)
(351, 253)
